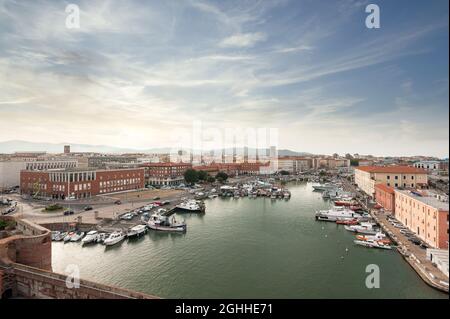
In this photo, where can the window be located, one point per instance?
(388, 177)
(396, 177)
(412, 177)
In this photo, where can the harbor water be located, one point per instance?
(248, 248)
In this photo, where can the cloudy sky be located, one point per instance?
(135, 72)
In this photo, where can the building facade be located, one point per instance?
(159, 174)
(79, 183)
(424, 214)
(385, 196)
(294, 164)
(103, 161)
(10, 170)
(366, 177)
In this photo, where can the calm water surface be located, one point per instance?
(248, 248)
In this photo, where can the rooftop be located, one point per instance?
(392, 169)
(426, 197)
(385, 188)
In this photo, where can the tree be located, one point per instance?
(191, 176)
(354, 162)
(210, 179)
(222, 177)
(283, 172)
(202, 175)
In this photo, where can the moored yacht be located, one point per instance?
(91, 237)
(363, 228)
(336, 213)
(114, 238)
(137, 231)
(190, 206)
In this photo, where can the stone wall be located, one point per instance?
(31, 282)
(31, 245)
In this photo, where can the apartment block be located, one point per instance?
(366, 177)
(424, 213)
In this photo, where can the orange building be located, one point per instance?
(385, 196)
(424, 213)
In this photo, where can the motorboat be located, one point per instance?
(91, 237)
(60, 236)
(363, 228)
(68, 237)
(379, 236)
(137, 231)
(162, 223)
(372, 244)
(190, 206)
(77, 236)
(114, 238)
(101, 237)
(347, 222)
(323, 187)
(336, 213)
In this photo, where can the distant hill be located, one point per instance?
(25, 146)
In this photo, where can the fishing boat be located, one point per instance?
(114, 238)
(347, 203)
(91, 237)
(372, 244)
(137, 231)
(336, 213)
(162, 223)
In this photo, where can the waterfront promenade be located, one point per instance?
(413, 254)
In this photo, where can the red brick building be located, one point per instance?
(165, 173)
(80, 183)
(385, 196)
(232, 168)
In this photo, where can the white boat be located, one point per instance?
(323, 187)
(101, 237)
(162, 223)
(137, 231)
(60, 236)
(362, 228)
(68, 237)
(91, 237)
(77, 236)
(114, 238)
(372, 244)
(190, 206)
(336, 213)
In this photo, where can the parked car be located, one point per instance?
(68, 212)
(118, 202)
(156, 198)
(127, 216)
(88, 208)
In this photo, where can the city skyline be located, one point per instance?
(133, 73)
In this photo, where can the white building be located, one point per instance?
(10, 170)
(428, 165)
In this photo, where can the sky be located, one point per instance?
(140, 74)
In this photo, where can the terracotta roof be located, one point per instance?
(391, 169)
(385, 188)
(165, 164)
